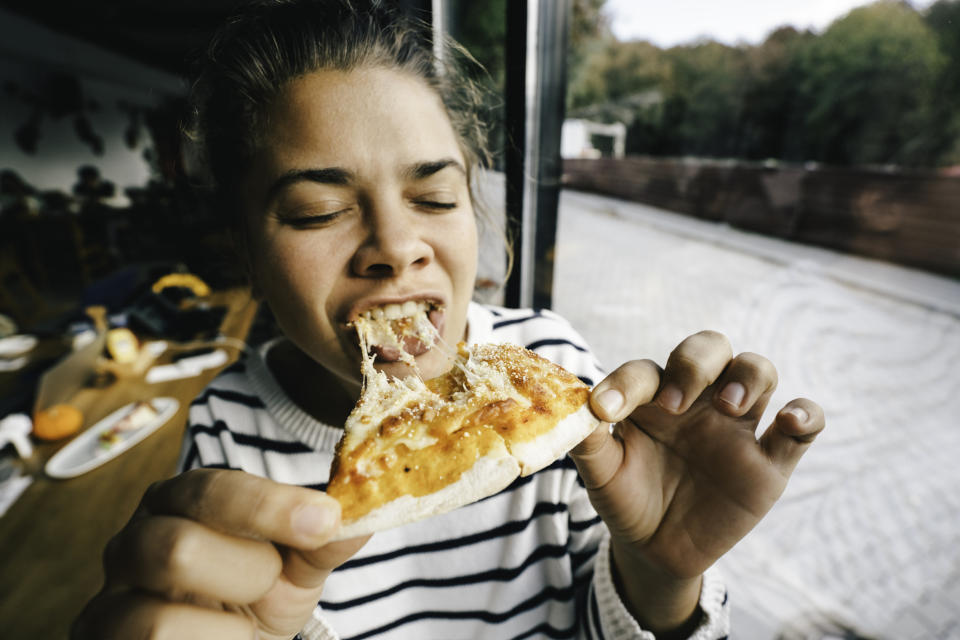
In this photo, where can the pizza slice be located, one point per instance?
(414, 448)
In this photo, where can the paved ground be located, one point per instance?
(867, 536)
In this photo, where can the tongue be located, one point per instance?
(411, 344)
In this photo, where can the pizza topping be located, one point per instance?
(398, 331)
(409, 437)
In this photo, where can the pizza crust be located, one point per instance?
(501, 413)
(540, 452)
(489, 475)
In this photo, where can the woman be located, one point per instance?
(343, 151)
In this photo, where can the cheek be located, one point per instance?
(296, 277)
(461, 251)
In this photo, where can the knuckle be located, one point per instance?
(687, 368)
(814, 410)
(161, 625)
(259, 506)
(637, 371)
(636, 378)
(711, 335)
(165, 623)
(175, 551)
(153, 490)
(111, 551)
(712, 340)
(200, 492)
(756, 366)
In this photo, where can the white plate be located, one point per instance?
(85, 452)
(13, 346)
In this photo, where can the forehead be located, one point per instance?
(361, 119)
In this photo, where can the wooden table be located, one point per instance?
(52, 538)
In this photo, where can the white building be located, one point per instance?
(576, 138)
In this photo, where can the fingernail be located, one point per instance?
(312, 520)
(801, 415)
(670, 397)
(733, 394)
(610, 401)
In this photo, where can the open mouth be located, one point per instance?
(397, 331)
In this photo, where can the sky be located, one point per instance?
(670, 22)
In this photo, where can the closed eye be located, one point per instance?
(316, 220)
(435, 204)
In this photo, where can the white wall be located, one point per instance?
(29, 52)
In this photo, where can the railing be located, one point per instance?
(910, 218)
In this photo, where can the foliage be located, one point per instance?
(880, 86)
(943, 18)
(867, 85)
(481, 27)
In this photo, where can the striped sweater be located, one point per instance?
(529, 562)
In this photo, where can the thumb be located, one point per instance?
(309, 569)
(600, 454)
(598, 457)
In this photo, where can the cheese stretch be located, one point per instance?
(407, 436)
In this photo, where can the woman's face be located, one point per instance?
(358, 198)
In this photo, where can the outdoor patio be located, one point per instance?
(867, 536)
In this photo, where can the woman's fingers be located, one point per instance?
(137, 615)
(245, 505)
(599, 455)
(793, 431)
(632, 384)
(745, 387)
(693, 366)
(211, 533)
(179, 558)
(309, 569)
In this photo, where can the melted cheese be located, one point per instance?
(410, 437)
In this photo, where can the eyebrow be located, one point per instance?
(330, 175)
(421, 170)
(341, 177)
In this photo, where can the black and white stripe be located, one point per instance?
(519, 564)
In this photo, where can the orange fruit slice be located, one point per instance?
(57, 421)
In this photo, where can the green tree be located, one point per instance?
(770, 119)
(867, 84)
(704, 98)
(943, 18)
(481, 27)
(614, 71)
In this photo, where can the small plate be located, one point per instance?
(13, 346)
(85, 453)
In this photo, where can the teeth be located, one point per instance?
(393, 311)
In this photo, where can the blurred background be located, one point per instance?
(786, 172)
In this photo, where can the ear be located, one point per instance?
(250, 273)
(242, 253)
(256, 291)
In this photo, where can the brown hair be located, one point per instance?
(268, 43)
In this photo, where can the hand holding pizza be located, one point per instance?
(684, 476)
(217, 554)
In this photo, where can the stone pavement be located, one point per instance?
(867, 536)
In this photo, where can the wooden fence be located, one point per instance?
(911, 218)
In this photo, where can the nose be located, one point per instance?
(395, 241)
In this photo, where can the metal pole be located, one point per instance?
(536, 88)
(515, 121)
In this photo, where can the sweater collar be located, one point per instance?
(304, 427)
